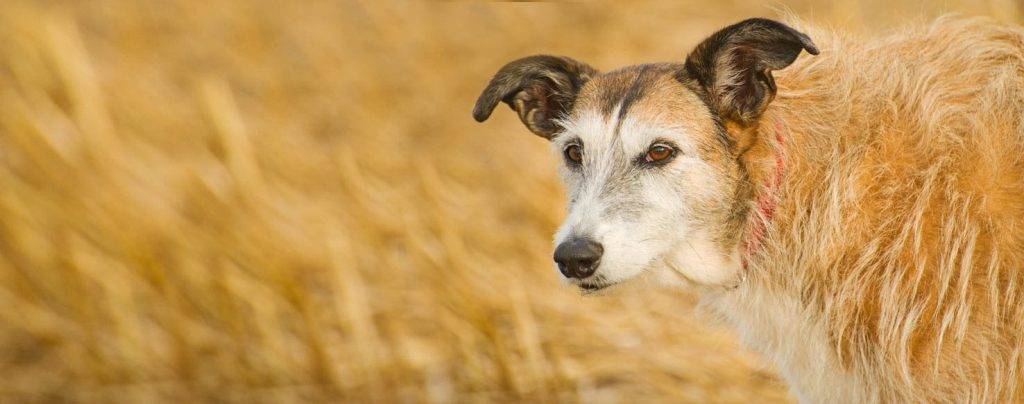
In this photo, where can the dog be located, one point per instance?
(853, 207)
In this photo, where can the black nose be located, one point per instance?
(578, 257)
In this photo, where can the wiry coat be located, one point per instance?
(857, 215)
(893, 269)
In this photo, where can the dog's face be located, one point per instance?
(650, 179)
(654, 180)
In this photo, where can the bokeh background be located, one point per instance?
(272, 201)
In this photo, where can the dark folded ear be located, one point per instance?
(540, 88)
(734, 65)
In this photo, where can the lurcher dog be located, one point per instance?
(853, 207)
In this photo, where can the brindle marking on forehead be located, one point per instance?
(656, 91)
(620, 89)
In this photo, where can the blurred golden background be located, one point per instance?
(288, 201)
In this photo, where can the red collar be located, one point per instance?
(767, 200)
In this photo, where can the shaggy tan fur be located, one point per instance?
(893, 269)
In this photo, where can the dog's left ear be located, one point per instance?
(734, 65)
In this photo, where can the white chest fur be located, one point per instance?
(792, 338)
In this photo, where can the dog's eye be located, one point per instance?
(659, 153)
(573, 153)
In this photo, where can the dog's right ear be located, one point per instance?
(539, 88)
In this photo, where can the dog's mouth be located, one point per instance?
(593, 287)
(600, 282)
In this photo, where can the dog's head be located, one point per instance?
(654, 178)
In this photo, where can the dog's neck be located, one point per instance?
(767, 193)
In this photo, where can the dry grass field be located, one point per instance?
(271, 201)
